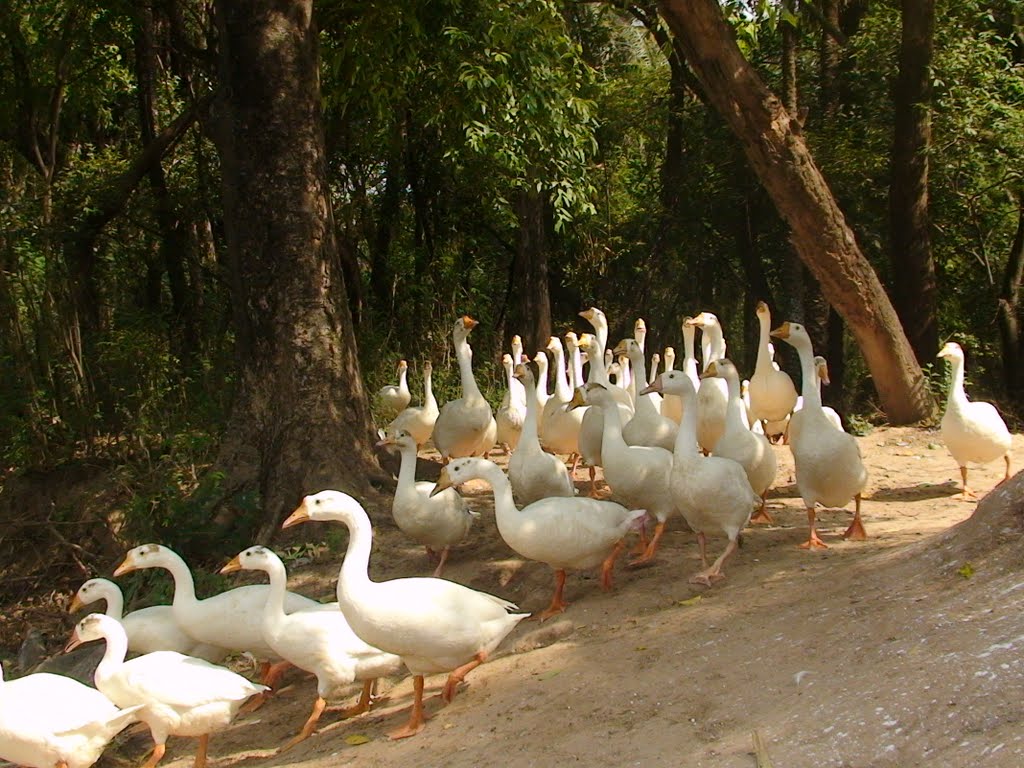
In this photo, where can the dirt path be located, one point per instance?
(881, 653)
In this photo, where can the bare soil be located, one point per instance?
(903, 650)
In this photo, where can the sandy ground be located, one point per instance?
(903, 650)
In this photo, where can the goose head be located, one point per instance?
(89, 592)
(821, 369)
(95, 626)
(721, 369)
(459, 471)
(403, 366)
(763, 311)
(952, 351)
(517, 348)
(793, 334)
(507, 363)
(146, 556)
(670, 358)
(523, 373)
(703, 320)
(628, 348)
(327, 505)
(595, 317)
(640, 331)
(400, 439)
(462, 327)
(251, 559)
(671, 383)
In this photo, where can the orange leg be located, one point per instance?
(156, 756)
(365, 700)
(574, 459)
(593, 482)
(710, 575)
(762, 517)
(416, 717)
(307, 730)
(557, 603)
(968, 494)
(609, 563)
(856, 530)
(813, 542)
(1006, 458)
(204, 742)
(652, 547)
(702, 547)
(458, 674)
(272, 674)
(441, 562)
(641, 546)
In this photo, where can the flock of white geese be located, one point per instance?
(692, 442)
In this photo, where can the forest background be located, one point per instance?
(517, 161)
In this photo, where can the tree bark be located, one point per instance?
(1009, 312)
(783, 163)
(915, 290)
(300, 422)
(530, 314)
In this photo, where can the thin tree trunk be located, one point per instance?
(531, 303)
(301, 420)
(1009, 314)
(915, 290)
(782, 161)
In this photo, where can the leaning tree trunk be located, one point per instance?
(300, 422)
(915, 290)
(1009, 312)
(783, 163)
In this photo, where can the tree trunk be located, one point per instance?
(1009, 312)
(915, 291)
(783, 163)
(531, 303)
(301, 421)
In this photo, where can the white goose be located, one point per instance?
(512, 411)
(434, 625)
(231, 619)
(821, 375)
(52, 721)
(713, 393)
(148, 629)
(560, 430)
(710, 492)
(180, 695)
(320, 642)
(566, 533)
(637, 474)
(465, 427)
(542, 395)
(829, 468)
(772, 394)
(437, 522)
(972, 431)
(534, 473)
(418, 422)
(751, 451)
(394, 397)
(648, 426)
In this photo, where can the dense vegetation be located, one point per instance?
(445, 125)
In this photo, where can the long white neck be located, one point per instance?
(184, 586)
(734, 418)
(957, 396)
(407, 468)
(640, 336)
(354, 577)
(642, 403)
(505, 510)
(598, 373)
(541, 386)
(611, 438)
(403, 381)
(113, 656)
(764, 357)
(112, 594)
(463, 353)
(273, 609)
(562, 391)
(528, 437)
(712, 343)
(429, 401)
(577, 366)
(686, 439)
(809, 386)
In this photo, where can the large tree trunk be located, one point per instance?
(915, 291)
(783, 163)
(1009, 312)
(531, 304)
(300, 421)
